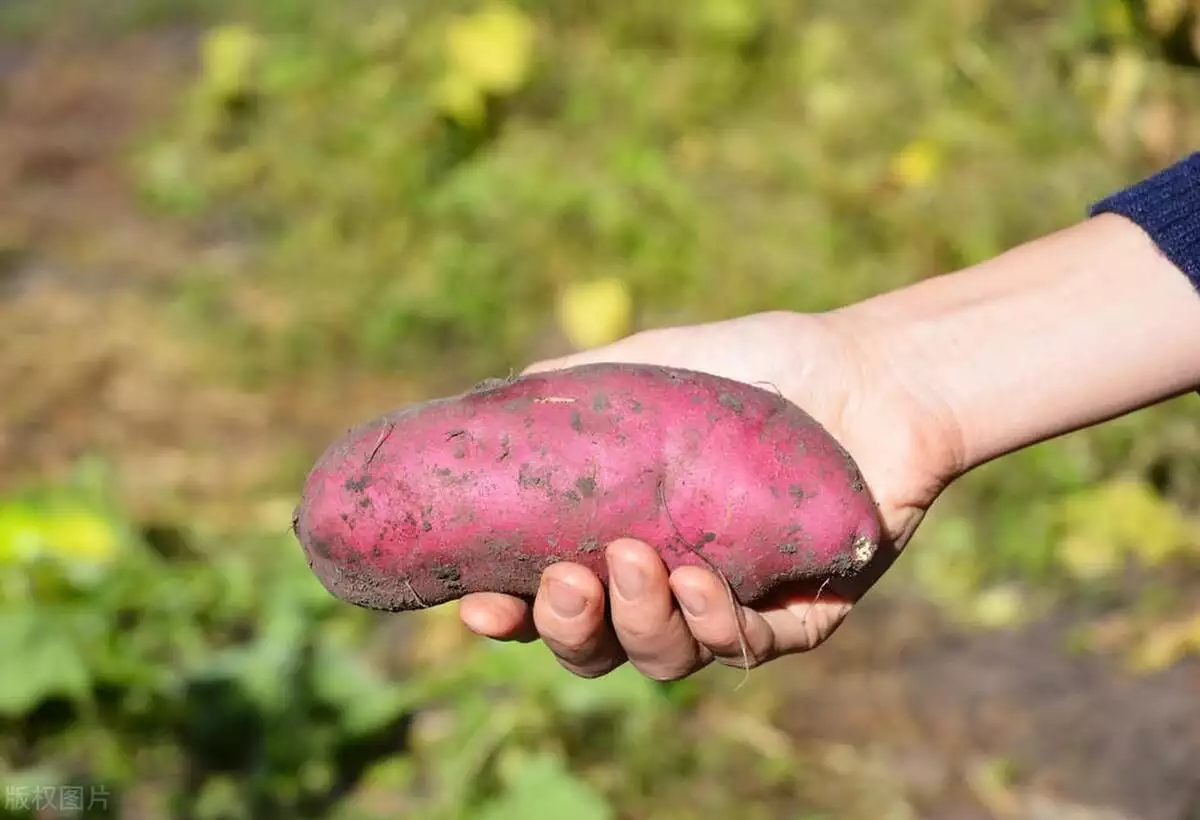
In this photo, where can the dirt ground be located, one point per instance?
(1076, 737)
(92, 361)
(87, 365)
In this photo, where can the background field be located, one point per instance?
(229, 230)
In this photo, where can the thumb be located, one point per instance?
(625, 351)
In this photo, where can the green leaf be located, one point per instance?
(543, 788)
(367, 701)
(40, 660)
(625, 689)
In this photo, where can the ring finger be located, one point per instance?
(645, 617)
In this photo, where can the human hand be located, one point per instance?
(669, 625)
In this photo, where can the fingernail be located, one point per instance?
(692, 602)
(564, 599)
(628, 579)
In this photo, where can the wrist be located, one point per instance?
(1056, 335)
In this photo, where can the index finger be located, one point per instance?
(496, 616)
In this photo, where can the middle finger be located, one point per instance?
(646, 619)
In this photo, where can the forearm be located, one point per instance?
(1059, 334)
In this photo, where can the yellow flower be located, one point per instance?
(81, 535)
(492, 48)
(229, 56)
(917, 164)
(68, 535)
(595, 313)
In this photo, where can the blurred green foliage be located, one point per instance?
(425, 177)
(427, 183)
(220, 680)
(424, 188)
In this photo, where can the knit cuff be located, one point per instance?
(1167, 207)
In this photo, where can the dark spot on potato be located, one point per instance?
(463, 514)
(712, 417)
(527, 479)
(731, 402)
(586, 486)
(797, 493)
(697, 398)
(409, 520)
(501, 547)
(528, 422)
(635, 406)
(809, 556)
(774, 491)
(589, 545)
(426, 513)
(708, 537)
(460, 452)
(505, 448)
(364, 502)
(600, 402)
(345, 518)
(787, 548)
(572, 498)
(357, 485)
(320, 548)
(576, 421)
(453, 434)
(449, 575)
(448, 476)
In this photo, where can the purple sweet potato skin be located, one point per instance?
(483, 491)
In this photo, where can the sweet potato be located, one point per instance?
(483, 491)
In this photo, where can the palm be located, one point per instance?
(892, 435)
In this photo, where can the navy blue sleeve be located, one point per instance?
(1167, 207)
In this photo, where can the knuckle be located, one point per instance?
(723, 641)
(575, 647)
(633, 631)
(651, 623)
(639, 624)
